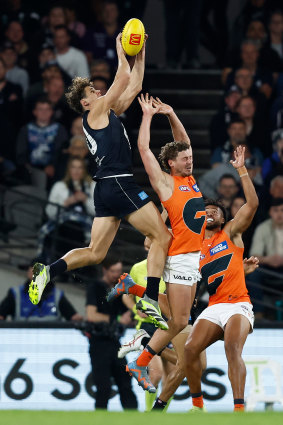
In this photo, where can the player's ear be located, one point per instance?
(170, 163)
(84, 103)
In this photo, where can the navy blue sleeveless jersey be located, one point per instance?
(110, 148)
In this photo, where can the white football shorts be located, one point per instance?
(221, 313)
(182, 269)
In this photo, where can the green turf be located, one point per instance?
(24, 417)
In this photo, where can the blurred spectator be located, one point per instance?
(267, 245)
(244, 81)
(226, 114)
(249, 59)
(100, 68)
(273, 166)
(276, 33)
(276, 110)
(55, 94)
(236, 204)
(39, 89)
(47, 58)
(256, 129)
(28, 18)
(39, 142)
(73, 24)
(15, 35)
(100, 83)
(214, 32)
(77, 127)
(54, 305)
(11, 101)
(276, 187)
(237, 136)
(74, 194)
(268, 58)
(77, 148)
(14, 74)
(108, 320)
(253, 10)
(100, 41)
(227, 189)
(72, 60)
(209, 181)
(56, 16)
(182, 32)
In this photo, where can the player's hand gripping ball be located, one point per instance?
(133, 36)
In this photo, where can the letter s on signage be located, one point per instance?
(59, 375)
(221, 388)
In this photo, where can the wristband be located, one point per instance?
(242, 171)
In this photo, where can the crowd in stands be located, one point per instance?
(42, 50)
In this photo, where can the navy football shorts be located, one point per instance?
(118, 197)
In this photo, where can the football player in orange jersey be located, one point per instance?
(183, 201)
(229, 314)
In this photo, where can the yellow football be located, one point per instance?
(133, 36)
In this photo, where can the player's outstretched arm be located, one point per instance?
(158, 179)
(121, 80)
(135, 84)
(178, 130)
(244, 216)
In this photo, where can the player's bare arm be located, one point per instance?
(99, 111)
(135, 84)
(178, 130)
(161, 182)
(244, 216)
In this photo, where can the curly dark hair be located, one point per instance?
(76, 92)
(170, 151)
(217, 203)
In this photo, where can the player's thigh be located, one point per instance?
(236, 332)
(180, 299)
(103, 232)
(148, 221)
(204, 333)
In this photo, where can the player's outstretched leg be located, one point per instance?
(141, 375)
(126, 285)
(103, 232)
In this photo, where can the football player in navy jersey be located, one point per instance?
(116, 194)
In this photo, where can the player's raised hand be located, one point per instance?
(119, 48)
(250, 264)
(239, 155)
(147, 106)
(163, 107)
(141, 55)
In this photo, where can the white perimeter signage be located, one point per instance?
(50, 369)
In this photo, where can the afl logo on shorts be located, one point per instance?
(195, 187)
(135, 39)
(184, 188)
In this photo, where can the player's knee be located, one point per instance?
(191, 351)
(180, 323)
(232, 351)
(162, 238)
(96, 257)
